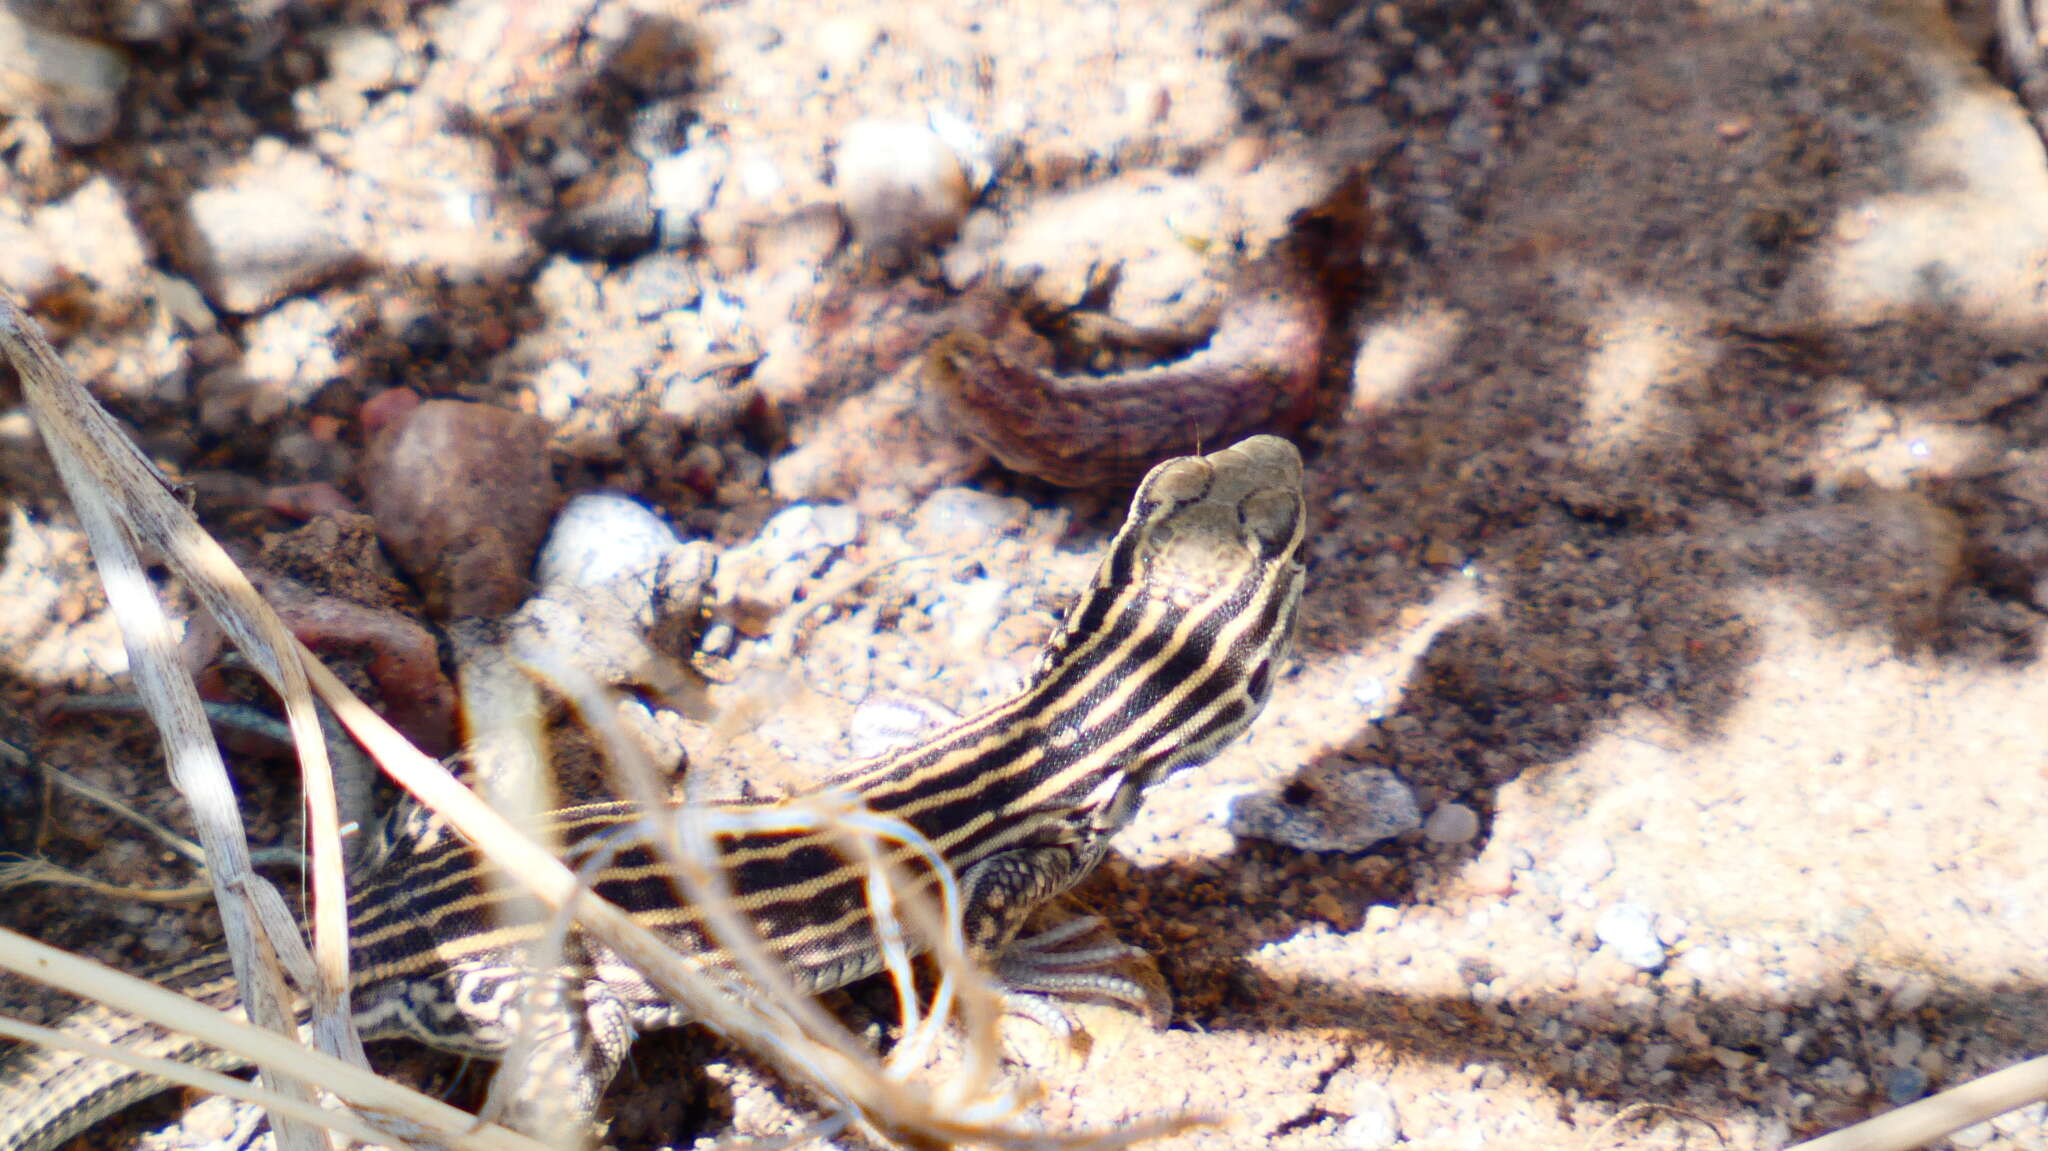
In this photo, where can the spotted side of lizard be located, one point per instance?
(1168, 656)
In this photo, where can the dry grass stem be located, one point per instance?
(190, 1075)
(122, 504)
(22, 872)
(141, 998)
(1921, 1123)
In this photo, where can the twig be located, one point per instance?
(169, 1009)
(1917, 1124)
(122, 503)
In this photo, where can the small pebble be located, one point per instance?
(661, 284)
(882, 723)
(901, 187)
(1905, 1084)
(1374, 1121)
(293, 353)
(564, 285)
(362, 58)
(1913, 993)
(76, 83)
(182, 300)
(265, 238)
(719, 639)
(145, 22)
(701, 466)
(683, 186)
(225, 398)
(558, 387)
(963, 517)
(93, 234)
(1630, 929)
(1370, 693)
(973, 253)
(758, 176)
(1907, 1044)
(1671, 930)
(608, 214)
(27, 267)
(1344, 810)
(600, 536)
(1451, 823)
(662, 128)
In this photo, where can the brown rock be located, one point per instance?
(462, 494)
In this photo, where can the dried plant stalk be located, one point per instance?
(122, 503)
(1920, 1123)
(354, 1085)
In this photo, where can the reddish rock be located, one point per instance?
(462, 494)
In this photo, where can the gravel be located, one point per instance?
(1677, 546)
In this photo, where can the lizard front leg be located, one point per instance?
(1044, 947)
(563, 1036)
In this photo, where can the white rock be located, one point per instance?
(292, 355)
(1451, 823)
(76, 83)
(1630, 929)
(27, 267)
(1374, 1122)
(92, 234)
(683, 186)
(362, 58)
(901, 186)
(600, 536)
(267, 236)
(882, 723)
(962, 517)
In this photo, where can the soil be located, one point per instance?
(1679, 495)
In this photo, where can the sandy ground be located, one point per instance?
(1679, 497)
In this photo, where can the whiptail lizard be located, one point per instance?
(1167, 657)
